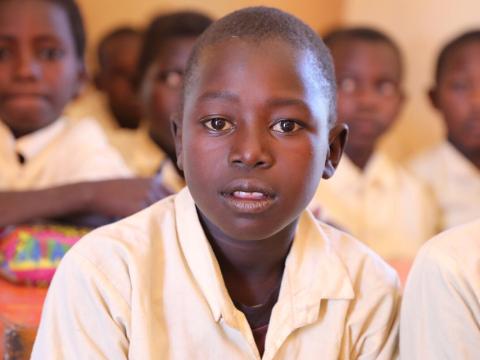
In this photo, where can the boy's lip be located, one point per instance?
(248, 196)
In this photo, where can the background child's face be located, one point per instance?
(457, 96)
(161, 88)
(369, 96)
(39, 69)
(255, 136)
(116, 79)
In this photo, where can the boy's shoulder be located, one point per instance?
(457, 248)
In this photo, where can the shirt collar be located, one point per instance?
(31, 144)
(313, 271)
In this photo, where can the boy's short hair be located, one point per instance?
(165, 27)
(362, 33)
(263, 23)
(75, 20)
(123, 31)
(451, 46)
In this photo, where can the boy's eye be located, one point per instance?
(218, 124)
(4, 53)
(50, 53)
(347, 85)
(171, 78)
(387, 88)
(286, 126)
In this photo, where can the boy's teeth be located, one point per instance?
(248, 195)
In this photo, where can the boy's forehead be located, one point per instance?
(462, 56)
(36, 18)
(359, 53)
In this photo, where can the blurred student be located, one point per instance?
(452, 168)
(370, 195)
(50, 166)
(440, 316)
(168, 42)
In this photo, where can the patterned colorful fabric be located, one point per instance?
(30, 254)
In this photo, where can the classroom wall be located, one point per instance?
(101, 16)
(421, 28)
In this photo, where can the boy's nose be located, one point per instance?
(27, 67)
(250, 149)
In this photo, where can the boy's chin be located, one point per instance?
(25, 123)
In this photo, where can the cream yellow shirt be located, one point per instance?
(63, 152)
(440, 316)
(384, 206)
(149, 287)
(138, 150)
(455, 182)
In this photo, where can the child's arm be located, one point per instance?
(108, 198)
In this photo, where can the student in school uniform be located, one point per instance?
(440, 316)
(233, 266)
(452, 168)
(168, 42)
(51, 166)
(371, 195)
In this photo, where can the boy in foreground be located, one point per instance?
(234, 267)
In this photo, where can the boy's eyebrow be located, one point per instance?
(222, 95)
(229, 96)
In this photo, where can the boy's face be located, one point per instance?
(39, 69)
(254, 140)
(116, 79)
(161, 88)
(457, 96)
(369, 94)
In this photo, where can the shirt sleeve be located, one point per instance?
(84, 316)
(441, 311)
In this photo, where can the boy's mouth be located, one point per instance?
(248, 197)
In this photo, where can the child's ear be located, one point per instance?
(176, 124)
(336, 143)
(97, 81)
(433, 97)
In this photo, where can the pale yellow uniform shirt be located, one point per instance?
(440, 316)
(138, 150)
(61, 153)
(384, 206)
(455, 181)
(149, 287)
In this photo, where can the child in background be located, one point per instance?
(371, 196)
(441, 306)
(117, 56)
(452, 168)
(233, 266)
(167, 45)
(51, 166)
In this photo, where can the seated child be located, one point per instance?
(117, 56)
(52, 167)
(452, 168)
(440, 316)
(233, 266)
(371, 195)
(168, 42)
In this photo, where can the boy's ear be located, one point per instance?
(176, 124)
(337, 139)
(432, 96)
(97, 81)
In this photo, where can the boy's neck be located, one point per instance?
(359, 156)
(250, 269)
